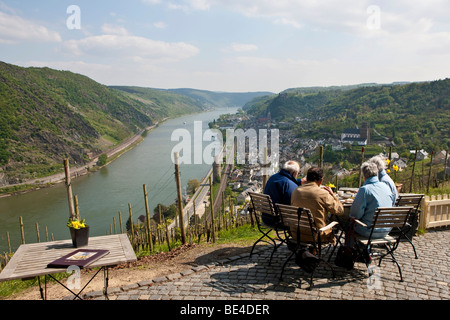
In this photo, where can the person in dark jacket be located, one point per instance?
(281, 185)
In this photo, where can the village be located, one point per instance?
(248, 177)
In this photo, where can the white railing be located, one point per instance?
(435, 212)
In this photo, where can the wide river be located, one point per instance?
(102, 194)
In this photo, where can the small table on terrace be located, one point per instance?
(31, 260)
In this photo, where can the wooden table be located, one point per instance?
(31, 260)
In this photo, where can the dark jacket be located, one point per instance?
(280, 187)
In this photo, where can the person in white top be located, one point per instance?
(381, 163)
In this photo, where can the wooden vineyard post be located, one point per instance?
(21, 230)
(211, 201)
(37, 233)
(69, 189)
(77, 211)
(149, 233)
(164, 224)
(360, 173)
(412, 173)
(131, 223)
(429, 172)
(9, 242)
(120, 222)
(180, 200)
(320, 156)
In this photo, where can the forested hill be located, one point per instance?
(48, 115)
(207, 99)
(220, 99)
(415, 114)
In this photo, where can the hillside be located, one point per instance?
(413, 115)
(48, 115)
(161, 103)
(194, 97)
(220, 99)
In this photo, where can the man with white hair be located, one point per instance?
(281, 185)
(381, 163)
(370, 196)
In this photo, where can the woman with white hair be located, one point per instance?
(370, 196)
(381, 163)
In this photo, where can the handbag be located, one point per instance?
(346, 257)
(304, 258)
(347, 254)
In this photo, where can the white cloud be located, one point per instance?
(159, 25)
(151, 1)
(199, 4)
(121, 46)
(242, 47)
(288, 22)
(115, 30)
(14, 29)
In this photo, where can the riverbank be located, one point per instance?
(75, 172)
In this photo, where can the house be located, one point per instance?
(236, 174)
(394, 156)
(235, 185)
(400, 163)
(359, 136)
(421, 154)
(440, 157)
(244, 194)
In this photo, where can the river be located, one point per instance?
(102, 194)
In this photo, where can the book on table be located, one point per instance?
(81, 258)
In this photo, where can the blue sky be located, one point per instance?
(231, 45)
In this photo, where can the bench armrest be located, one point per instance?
(361, 223)
(329, 226)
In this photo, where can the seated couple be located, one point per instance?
(284, 188)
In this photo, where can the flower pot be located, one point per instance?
(80, 237)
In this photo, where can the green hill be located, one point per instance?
(412, 115)
(220, 99)
(48, 115)
(161, 103)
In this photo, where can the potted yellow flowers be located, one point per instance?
(332, 186)
(79, 231)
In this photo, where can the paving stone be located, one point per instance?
(130, 286)
(145, 283)
(159, 279)
(251, 278)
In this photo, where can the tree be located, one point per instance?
(169, 212)
(192, 185)
(102, 159)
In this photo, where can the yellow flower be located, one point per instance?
(330, 185)
(76, 224)
(395, 167)
(388, 171)
(388, 161)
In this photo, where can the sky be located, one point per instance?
(231, 45)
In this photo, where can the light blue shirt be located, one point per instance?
(384, 177)
(370, 196)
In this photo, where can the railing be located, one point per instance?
(435, 212)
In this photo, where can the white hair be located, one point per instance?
(369, 169)
(380, 161)
(291, 166)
